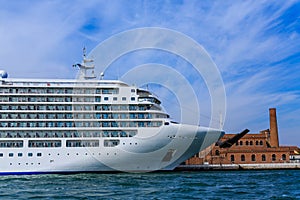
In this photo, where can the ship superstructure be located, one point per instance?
(87, 125)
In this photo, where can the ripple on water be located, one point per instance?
(276, 184)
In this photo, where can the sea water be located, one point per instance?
(273, 184)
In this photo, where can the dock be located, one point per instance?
(209, 167)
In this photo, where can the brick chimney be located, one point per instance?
(273, 128)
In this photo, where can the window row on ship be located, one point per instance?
(64, 99)
(65, 116)
(69, 124)
(78, 107)
(92, 98)
(56, 143)
(43, 90)
(68, 134)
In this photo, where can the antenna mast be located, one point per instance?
(86, 71)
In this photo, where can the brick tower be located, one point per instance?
(273, 128)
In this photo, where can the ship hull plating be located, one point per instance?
(151, 150)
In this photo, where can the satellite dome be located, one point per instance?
(3, 74)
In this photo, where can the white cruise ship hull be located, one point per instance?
(150, 150)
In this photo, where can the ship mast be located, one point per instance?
(86, 70)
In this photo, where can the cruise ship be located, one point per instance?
(90, 125)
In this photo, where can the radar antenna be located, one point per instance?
(86, 71)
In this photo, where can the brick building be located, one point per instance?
(249, 149)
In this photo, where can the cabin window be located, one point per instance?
(141, 116)
(111, 143)
(30, 154)
(141, 124)
(115, 107)
(123, 116)
(132, 107)
(39, 154)
(82, 143)
(98, 99)
(132, 116)
(20, 154)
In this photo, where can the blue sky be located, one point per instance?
(255, 44)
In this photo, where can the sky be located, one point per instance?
(254, 44)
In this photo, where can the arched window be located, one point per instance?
(283, 157)
(253, 158)
(251, 142)
(261, 143)
(243, 157)
(232, 158)
(217, 152)
(273, 157)
(256, 142)
(241, 142)
(263, 157)
(247, 143)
